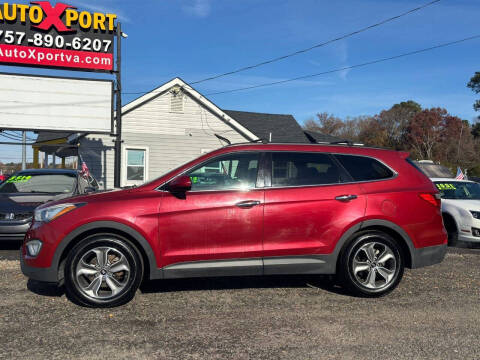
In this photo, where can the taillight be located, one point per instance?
(433, 199)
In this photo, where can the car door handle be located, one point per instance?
(346, 198)
(247, 204)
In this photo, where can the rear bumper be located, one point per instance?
(428, 256)
(40, 274)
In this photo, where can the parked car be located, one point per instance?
(460, 209)
(25, 190)
(251, 209)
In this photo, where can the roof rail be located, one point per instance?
(345, 142)
(263, 141)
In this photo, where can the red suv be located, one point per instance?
(248, 209)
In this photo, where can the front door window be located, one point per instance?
(231, 172)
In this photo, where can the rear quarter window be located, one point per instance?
(363, 168)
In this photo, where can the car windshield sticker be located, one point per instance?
(446, 187)
(18, 179)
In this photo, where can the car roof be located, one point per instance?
(48, 172)
(326, 147)
(450, 179)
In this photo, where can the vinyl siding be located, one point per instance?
(98, 153)
(172, 138)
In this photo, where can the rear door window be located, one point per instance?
(363, 168)
(303, 169)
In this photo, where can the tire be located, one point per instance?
(451, 228)
(361, 270)
(103, 271)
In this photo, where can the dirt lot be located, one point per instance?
(434, 314)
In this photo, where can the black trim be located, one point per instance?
(428, 256)
(40, 274)
(155, 272)
(301, 264)
(211, 268)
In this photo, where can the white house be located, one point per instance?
(171, 125)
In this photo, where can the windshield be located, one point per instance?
(39, 183)
(458, 190)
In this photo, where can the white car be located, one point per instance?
(460, 208)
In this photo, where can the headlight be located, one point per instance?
(52, 212)
(33, 247)
(475, 214)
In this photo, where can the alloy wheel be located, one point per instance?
(102, 272)
(374, 265)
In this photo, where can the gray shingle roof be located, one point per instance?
(284, 128)
(50, 135)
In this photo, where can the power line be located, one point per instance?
(347, 67)
(318, 45)
(303, 50)
(8, 136)
(19, 136)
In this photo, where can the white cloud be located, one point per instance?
(339, 51)
(198, 8)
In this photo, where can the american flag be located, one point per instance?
(85, 172)
(460, 175)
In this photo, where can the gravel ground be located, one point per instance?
(434, 314)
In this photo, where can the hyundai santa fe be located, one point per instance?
(363, 214)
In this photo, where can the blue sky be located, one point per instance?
(194, 39)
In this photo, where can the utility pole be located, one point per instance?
(24, 150)
(118, 118)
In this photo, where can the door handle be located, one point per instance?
(247, 204)
(346, 198)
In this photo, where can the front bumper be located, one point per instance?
(38, 273)
(13, 232)
(427, 256)
(468, 238)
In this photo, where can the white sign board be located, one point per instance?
(53, 103)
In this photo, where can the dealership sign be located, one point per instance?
(56, 36)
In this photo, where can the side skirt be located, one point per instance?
(308, 264)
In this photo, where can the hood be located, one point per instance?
(464, 204)
(93, 197)
(25, 202)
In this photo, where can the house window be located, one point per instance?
(136, 165)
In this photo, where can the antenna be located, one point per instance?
(223, 139)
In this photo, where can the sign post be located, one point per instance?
(58, 36)
(118, 117)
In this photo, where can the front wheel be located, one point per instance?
(372, 265)
(103, 271)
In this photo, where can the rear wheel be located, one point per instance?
(372, 265)
(103, 271)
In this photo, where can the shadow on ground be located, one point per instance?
(249, 282)
(45, 289)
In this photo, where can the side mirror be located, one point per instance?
(181, 184)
